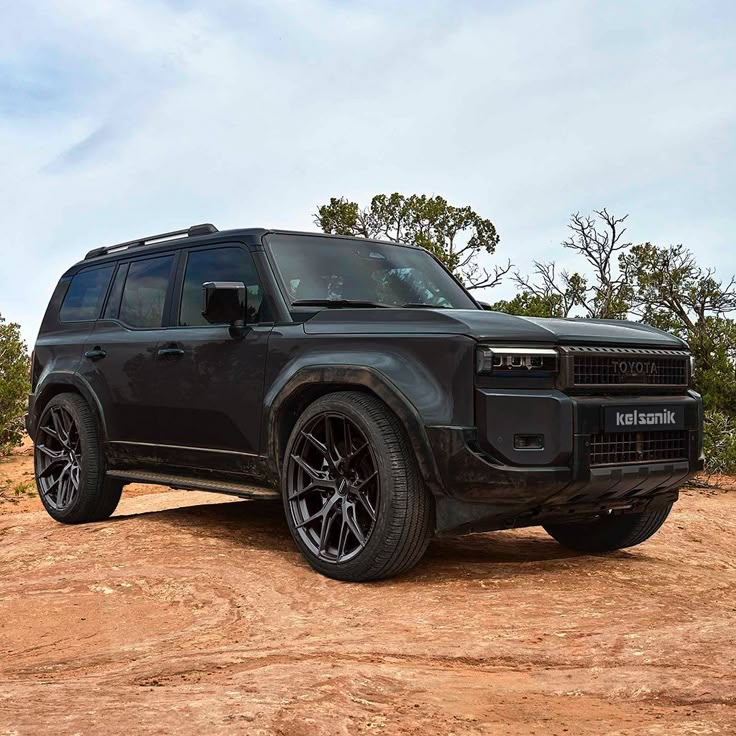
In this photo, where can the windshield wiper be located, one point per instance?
(417, 305)
(339, 303)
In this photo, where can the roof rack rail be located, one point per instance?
(190, 232)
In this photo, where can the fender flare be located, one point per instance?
(54, 383)
(342, 377)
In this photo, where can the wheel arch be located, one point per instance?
(285, 402)
(61, 383)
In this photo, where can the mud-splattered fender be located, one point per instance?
(56, 382)
(282, 394)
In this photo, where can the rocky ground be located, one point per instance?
(189, 613)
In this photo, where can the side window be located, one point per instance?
(113, 301)
(219, 264)
(86, 293)
(144, 295)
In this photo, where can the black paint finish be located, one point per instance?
(213, 408)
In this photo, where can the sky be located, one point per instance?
(121, 119)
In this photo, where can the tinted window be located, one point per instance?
(113, 301)
(144, 294)
(334, 269)
(218, 264)
(86, 293)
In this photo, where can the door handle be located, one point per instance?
(170, 352)
(96, 353)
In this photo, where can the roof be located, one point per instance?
(202, 234)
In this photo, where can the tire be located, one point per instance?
(69, 464)
(609, 533)
(367, 480)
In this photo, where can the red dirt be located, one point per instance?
(189, 613)
(18, 488)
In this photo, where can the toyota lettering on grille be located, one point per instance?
(634, 367)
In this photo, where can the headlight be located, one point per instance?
(515, 361)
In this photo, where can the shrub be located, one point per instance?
(720, 442)
(14, 385)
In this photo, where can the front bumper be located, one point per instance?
(490, 488)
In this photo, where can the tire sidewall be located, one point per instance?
(89, 476)
(609, 534)
(388, 480)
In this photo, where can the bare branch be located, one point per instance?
(481, 278)
(598, 245)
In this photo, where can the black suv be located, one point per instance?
(362, 383)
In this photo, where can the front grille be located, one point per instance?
(618, 448)
(629, 367)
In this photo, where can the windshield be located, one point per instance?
(332, 270)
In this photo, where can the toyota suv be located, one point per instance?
(362, 384)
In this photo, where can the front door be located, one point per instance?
(211, 399)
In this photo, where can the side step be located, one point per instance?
(193, 484)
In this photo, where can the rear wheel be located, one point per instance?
(609, 533)
(355, 502)
(69, 464)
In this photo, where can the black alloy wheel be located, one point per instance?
(58, 456)
(334, 488)
(355, 502)
(70, 464)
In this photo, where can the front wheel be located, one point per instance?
(609, 533)
(354, 499)
(69, 464)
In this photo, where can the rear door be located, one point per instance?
(121, 361)
(69, 319)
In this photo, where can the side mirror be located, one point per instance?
(224, 303)
(486, 306)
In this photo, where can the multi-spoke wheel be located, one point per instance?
(69, 464)
(354, 500)
(58, 458)
(334, 489)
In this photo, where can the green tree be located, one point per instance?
(14, 385)
(547, 293)
(455, 235)
(719, 442)
(672, 292)
(527, 304)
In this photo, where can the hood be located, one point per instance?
(487, 326)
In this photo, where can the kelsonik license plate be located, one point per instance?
(649, 418)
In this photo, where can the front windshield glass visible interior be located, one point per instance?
(334, 270)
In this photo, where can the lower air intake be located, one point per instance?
(619, 448)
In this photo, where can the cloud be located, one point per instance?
(89, 148)
(123, 118)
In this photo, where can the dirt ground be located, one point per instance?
(191, 613)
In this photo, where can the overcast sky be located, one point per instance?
(120, 119)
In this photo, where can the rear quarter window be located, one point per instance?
(86, 293)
